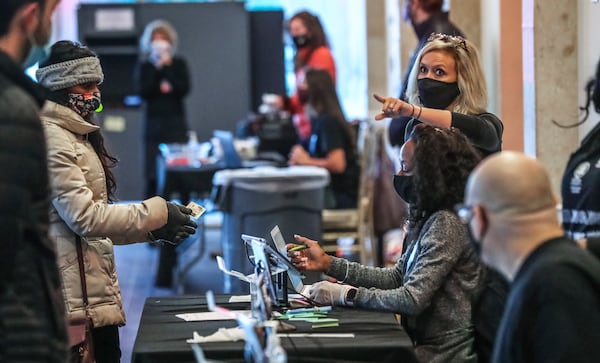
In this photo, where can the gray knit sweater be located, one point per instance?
(433, 294)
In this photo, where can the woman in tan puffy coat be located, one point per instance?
(82, 194)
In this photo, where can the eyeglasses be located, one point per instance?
(464, 212)
(455, 40)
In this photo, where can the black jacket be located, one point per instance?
(437, 23)
(32, 324)
(165, 114)
(581, 194)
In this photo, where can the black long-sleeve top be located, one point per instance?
(484, 131)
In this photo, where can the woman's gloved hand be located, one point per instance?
(179, 225)
(329, 293)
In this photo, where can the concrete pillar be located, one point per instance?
(384, 73)
(550, 82)
(408, 40)
(510, 70)
(466, 14)
(589, 56)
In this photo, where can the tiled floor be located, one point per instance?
(136, 267)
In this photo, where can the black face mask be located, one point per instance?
(437, 94)
(300, 41)
(405, 188)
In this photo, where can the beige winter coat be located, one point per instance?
(79, 205)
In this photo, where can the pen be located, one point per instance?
(309, 310)
(298, 248)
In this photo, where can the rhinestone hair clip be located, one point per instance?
(455, 40)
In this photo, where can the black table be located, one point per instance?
(162, 336)
(185, 180)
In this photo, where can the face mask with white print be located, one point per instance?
(84, 103)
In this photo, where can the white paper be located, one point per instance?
(240, 299)
(316, 335)
(221, 335)
(211, 315)
(239, 275)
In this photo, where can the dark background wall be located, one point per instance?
(233, 55)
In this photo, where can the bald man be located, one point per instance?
(553, 309)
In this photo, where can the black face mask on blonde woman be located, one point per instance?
(437, 94)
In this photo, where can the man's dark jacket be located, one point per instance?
(32, 323)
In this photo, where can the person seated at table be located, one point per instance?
(332, 144)
(85, 223)
(553, 309)
(434, 283)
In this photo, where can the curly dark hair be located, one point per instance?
(443, 160)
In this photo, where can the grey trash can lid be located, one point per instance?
(266, 178)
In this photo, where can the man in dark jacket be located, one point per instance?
(32, 323)
(426, 17)
(551, 314)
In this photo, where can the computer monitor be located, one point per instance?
(279, 264)
(230, 155)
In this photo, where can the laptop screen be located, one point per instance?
(230, 155)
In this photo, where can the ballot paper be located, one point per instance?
(235, 334)
(240, 299)
(221, 335)
(211, 315)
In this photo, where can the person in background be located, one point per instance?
(332, 144)
(312, 51)
(82, 193)
(163, 81)
(437, 278)
(426, 17)
(581, 181)
(32, 320)
(552, 313)
(446, 88)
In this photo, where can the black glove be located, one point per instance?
(179, 225)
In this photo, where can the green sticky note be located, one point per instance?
(321, 320)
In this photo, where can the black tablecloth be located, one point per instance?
(162, 336)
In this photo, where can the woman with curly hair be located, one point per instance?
(434, 283)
